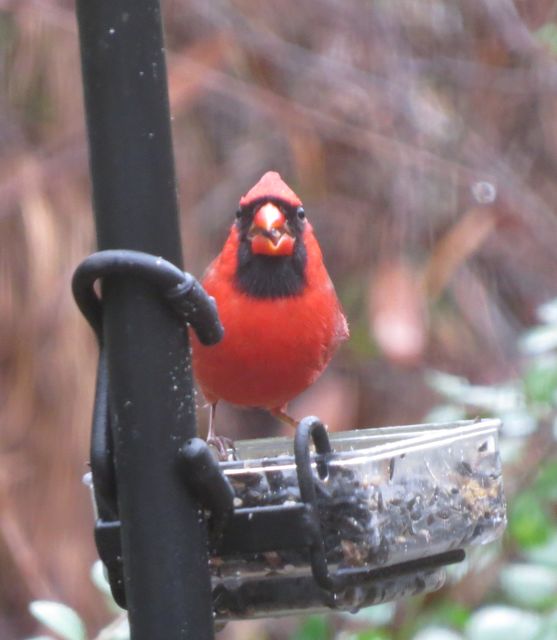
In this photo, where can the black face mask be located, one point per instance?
(263, 276)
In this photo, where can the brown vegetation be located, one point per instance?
(421, 136)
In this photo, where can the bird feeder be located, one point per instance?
(361, 518)
(370, 518)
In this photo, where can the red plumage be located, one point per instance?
(273, 347)
(271, 185)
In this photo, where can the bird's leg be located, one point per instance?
(220, 443)
(281, 414)
(211, 435)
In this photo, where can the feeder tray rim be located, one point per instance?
(436, 435)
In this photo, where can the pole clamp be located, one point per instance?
(190, 302)
(180, 289)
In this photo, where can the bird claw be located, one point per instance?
(223, 446)
(284, 417)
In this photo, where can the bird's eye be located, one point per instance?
(301, 213)
(238, 213)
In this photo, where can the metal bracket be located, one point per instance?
(182, 291)
(312, 428)
(188, 299)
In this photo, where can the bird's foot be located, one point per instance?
(284, 417)
(223, 446)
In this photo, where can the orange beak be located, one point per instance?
(269, 232)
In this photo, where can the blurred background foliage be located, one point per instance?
(421, 135)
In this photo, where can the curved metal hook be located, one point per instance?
(312, 427)
(186, 296)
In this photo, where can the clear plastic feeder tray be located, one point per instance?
(390, 496)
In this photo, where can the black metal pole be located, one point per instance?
(163, 537)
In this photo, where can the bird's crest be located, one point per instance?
(273, 187)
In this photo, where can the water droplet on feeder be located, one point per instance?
(484, 192)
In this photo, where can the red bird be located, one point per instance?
(281, 316)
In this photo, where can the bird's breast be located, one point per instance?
(272, 349)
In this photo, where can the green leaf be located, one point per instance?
(529, 585)
(313, 628)
(518, 424)
(545, 485)
(98, 578)
(511, 450)
(503, 623)
(549, 628)
(377, 616)
(547, 313)
(529, 523)
(493, 399)
(545, 554)
(119, 629)
(59, 618)
(452, 614)
(368, 634)
(437, 633)
(540, 383)
(539, 340)
(375, 634)
(547, 36)
(445, 413)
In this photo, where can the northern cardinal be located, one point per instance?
(281, 316)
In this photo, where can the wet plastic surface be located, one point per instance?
(390, 496)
